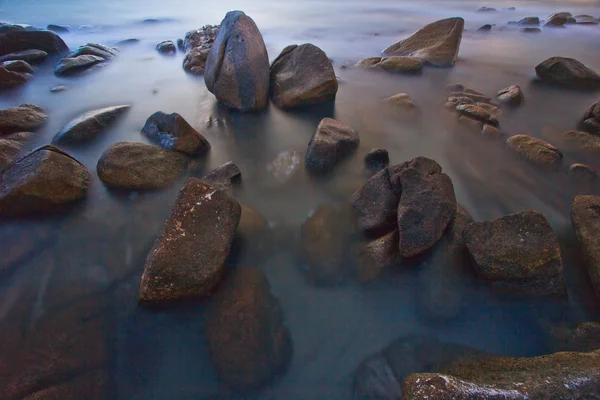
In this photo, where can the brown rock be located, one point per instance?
(511, 95)
(591, 119)
(368, 63)
(223, 177)
(472, 96)
(583, 337)
(173, 132)
(492, 132)
(536, 150)
(401, 64)
(568, 72)
(582, 171)
(11, 145)
(585, 214)
(376, 257)
(24, 118)
(477, 113)
(583, 140)
(9, 79)
(332, 142)
(46, 41)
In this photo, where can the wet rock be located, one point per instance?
(586, 20)
(188, 257)
(41, 182)
(583, 140)
(377, 256)
(591, 119)
(139, 166)
(472, 124)
(197, 45)
(30, 56)
(368, 63)
(472, 96)
(247, 361)
(401, 64)
(583, 337)
(224, 177)
(585, 215)
(237, 67)
(377, 159)
(568, 72)
(74, 65)
(485, 28)
(89, 125)
(59, 88)
(455, 87)
(517, 253)
(477, 113)
(58, 28)
(301, 76)
(17, 66)
(402, 100)
(166, 47)
(437, 43)
(531, 30)
(487, 9)
(9, 79)
(94, 49)
(529, 21)
(11, 145)
(511, 95)
(332, 142)
(493, 110)
(284, 167)
(536, 150)
(180, 44)
(492, 132)
(555, 21)
(173, 132)
(128, 42)
(583, 172)
(18, 41)
(253, 234)
(24, 118)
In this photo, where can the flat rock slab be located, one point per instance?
(75, 65)
(568, 72)
(25, 117)
(585, 214)
(89, 125)
(478, 113)
(31, 56)
(536, 150)
(188, 257)
(94, 49)
(173, 132)
(139, 166)
(332, 142)
(46, 41)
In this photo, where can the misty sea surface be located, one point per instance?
(163, 354)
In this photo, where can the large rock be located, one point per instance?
(11, 145)
(76, 65)
(332, 142)
(591, 119)
(556, 20)
(512, 95)
(94, 49)
(536, 150)
(301, 76)
(436, 43)
(248, 342)
(224, 176)
(173, 132)
(583, 337)
(89, 125)
(188, 257)
(517, 253)
(140, 166)
(568, 72)
(237, 67)
(585, 214)
(197, 45)
(42, 181)
(555, 376)
(10, 79)
(47, 41)
(31, 56)
(25, 117)
(19, 66)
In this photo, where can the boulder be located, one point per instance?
(437, 43)
(188, 258)
(89, 125)
(301, 76)
(586, 223)
(17, 41)
(531, 30)
(24, 118)
(517, 253)
(536, 150)
(197, 45)
(401, 64)
(377, 256)
(173, 132)
(237, 67)
(485, 28)
(11, 145)
(555, 21)
(583, 140)
(166, 47)
(75, 65)
(31, 56)
(43, 181)
(583, 337)
(529, 21)
(568, 72)
(58, 28)
(94, 49)
(248, 341)
(9, 79)
(582, 172)
(591, 119)
(139, 166)
(511, 95)
(377, 159)
(223, 177)
(19, 66)
(477, 113)
(332, 142)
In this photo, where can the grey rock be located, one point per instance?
(58, 88)
(70, 66)
(485, 28)
(568, 72)
(332, 142)
(89, 125)
(58, 28)
(31, 56)
(173, 132)
(531, 30)
(166, 47)
(92, 49)
(19, 66)
(18, 41)
(529, 21)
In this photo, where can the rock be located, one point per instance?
(456, 101)
(586, 20)
(377, 159)
(11, 145)
(402, 100)
(166, 47)
(556, 21)
(195, 60)
(568, 72)
(47, 41)
(586, 223)
(197, 45)
(401, 64)
(245, 304)
(94, 49)
(531, 30)
(24, 118)
(58, 28)
(436, 43)
(17, 66)
(555, 376)
(368, 63)
(529, 21)
(9, 79)
(511, 95)
(477, 113)
(582, 171)
(472, 96)
(6, 28)
(42, 181)
(70, 66)
(223, 177)
(591, 119)
(583, 337)
(536, 150)
(485, 28)
(487, 9)
(517, 253)
(583, 140)
(473, 124)
(188, 257)
(493, 110)
(139, 166)
(455, 87)
(283, 167)
(301, 76)
(30, 56)
(253, 234)
(563, 14)
(59, 88)
(492, 132)
(180, 44)
(89, 125)
(332, 142)
(237, 67)
(173, 132)
(377, 256)
(128, 42)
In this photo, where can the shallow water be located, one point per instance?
(162, 354)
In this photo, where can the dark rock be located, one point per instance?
(224, 177)
(332, 142)
(195, 60)
(188, 257)
(571, 21)
(253, 234)
(487, 9)
(70, 66)
(529, 21)
(563, 14)
(301, 76)
(42, 181)
(89, 125)
(58, 28)
(237, 67)
(248, 341)
(140, 166)
(6, 28)
(478, 113)
(585, 214)
(591, 119)
(536, 150)
(568, 72)
(511, 95)
(197, 45)
(586, 20)
(17, 66)
(128, 42)
(180, 44)
(377, 159)
(556, 21)
(368, 63)
(93, 49)
(173, 132)
(485, 28)
(166, 47)
(47, 41)
(531, 30)
(59, 88)
(455, 87)
(11, 145)
(9, 79)
(436, 43)
(30, 56)
(582, 171)
(377, 256)
(583, 337)
(24, 118)
(517, 253)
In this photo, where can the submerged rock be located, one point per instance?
(377, 159)
(583, 140)
(139, 166)
(583, 337)
(89, 125)
(223, 177)
(377, 256)
(492, 132)
(536, 150)
(24, 118)
(188, 257)
(11, 145)
(401, 64)
(332, 142)
(402, 100)
(556, 21)
(582, 172)
(585, 214)
(512, 95)
(568, 72)
(529, 21)
(283, 167)
(75, 65)
(591, 118)
(58, 28)
(517, 253)
(166, 47)
(18, 41)
(485, 28)
(437, 43)
(237, 67)
(19, 66)
(94, 49)
(31, 56)
(173, 132)
(43, 181)
(9, 79)
(478, 113)
(531, 30)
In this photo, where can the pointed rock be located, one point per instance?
(173, 132)
(332, 142)
(89, 125)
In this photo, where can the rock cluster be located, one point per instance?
(85, 59)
